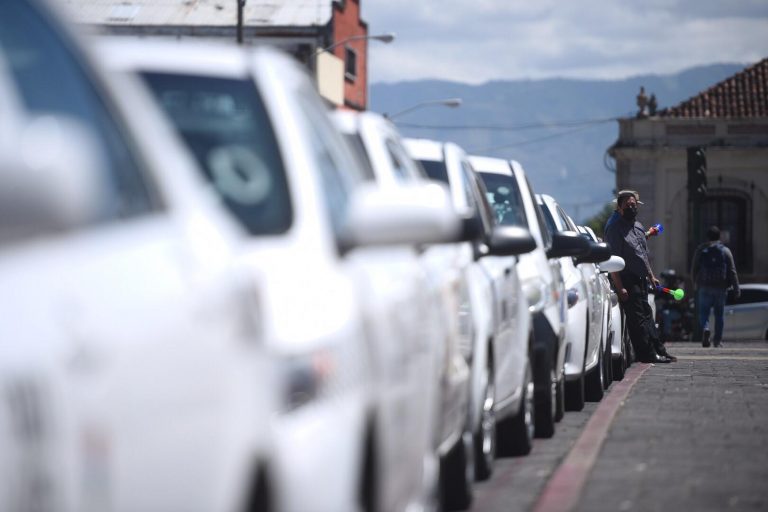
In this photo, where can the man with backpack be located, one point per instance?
(713, 272)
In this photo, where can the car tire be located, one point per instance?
(516, 433)
(545, 393)
(456, 476)
(574, 394)
(560, 397)
(594, 388)
(608, 379)
(484, 436)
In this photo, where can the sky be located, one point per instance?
(474, 41)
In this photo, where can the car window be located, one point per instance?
(749, 296)
(52, 77)
(339, 170)
(436, 170)
(550, 220)
(504, 196)
(545, 234)
(225, 125)
(398, 166)
(356, 144)
(566, 220)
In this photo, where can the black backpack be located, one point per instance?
(713, 270)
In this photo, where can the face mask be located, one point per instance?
(630, 213)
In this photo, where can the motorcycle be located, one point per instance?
(675, 318)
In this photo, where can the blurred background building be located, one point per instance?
(301, 27)
(729, 121)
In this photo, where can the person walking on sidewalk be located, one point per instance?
(713, 272)
(626, 237)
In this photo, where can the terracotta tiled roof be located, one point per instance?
(745, 94)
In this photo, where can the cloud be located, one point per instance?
(495, 39)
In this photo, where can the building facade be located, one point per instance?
(300, 27)
(729, 120)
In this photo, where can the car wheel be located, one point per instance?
(456, 476)
(607, 366)
(574, 394)
(560, 397)
(516, 434)
(619, 364)
(545, 386)
(594, 387)
(484, 437)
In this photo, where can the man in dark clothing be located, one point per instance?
(627, 238)
(713, 272)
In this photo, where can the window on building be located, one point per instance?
(350, 64)
(730, 211)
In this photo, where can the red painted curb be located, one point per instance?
(562, 492)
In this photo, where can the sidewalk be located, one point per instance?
(692, 435)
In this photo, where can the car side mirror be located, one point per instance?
(597, 252)
(612, 264)
(567, 243)
(471, 228)
(51, 178)
(408, 214)
(510, 241)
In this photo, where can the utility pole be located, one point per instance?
(240, 5)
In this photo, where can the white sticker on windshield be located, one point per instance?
(239, 174)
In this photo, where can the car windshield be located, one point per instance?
(551, 225)
(225, 125)
(436, 170)
(504, 197)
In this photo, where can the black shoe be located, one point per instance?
(705, 341)
(656, 358)
(718, 343)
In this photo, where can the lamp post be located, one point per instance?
(384, 38)
(446, 102)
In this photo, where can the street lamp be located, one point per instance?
(447, 102)
(384, 38)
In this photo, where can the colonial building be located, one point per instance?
(301, 27)
(730, 120)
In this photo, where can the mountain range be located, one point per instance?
(558, 129)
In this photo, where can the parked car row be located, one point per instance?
(224, 297)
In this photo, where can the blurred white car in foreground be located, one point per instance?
(131, 363)
(344, 308)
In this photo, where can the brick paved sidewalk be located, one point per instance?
(692, 435)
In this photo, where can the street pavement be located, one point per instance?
(690, 435)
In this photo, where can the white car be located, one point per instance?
(499, 322)
(131, 364)
(584, 364)
(345, 308)
(746, 318)
(540, 273)
(615, 338)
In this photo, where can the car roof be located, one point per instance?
(754, 286)
(490, 164)
(189, 57)
(425, 149)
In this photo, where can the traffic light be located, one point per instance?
(697, 173)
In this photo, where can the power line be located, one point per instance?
(530, 141)
(530, 126)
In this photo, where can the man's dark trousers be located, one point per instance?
(637, 311)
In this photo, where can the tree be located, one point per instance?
(597, 222)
